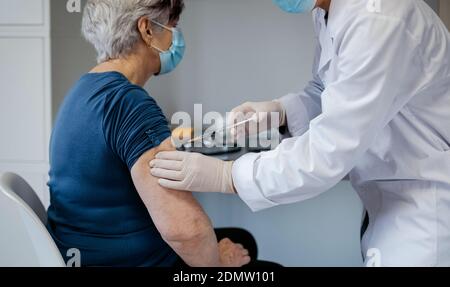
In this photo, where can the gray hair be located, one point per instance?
(111, 25)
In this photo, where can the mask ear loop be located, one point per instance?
(157, 49)
(162, 26)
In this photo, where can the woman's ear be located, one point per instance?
(145, 29)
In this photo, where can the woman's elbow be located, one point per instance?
(183, 232)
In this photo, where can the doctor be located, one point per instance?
(378, 107)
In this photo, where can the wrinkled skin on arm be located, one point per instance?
(182, 222)
(177, 215)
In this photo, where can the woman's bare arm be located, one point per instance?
(177, 215)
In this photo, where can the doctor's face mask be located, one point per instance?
(296, 6)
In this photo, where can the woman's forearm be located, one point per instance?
(200, 248)
(177, 215)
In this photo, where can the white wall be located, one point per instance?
(237, 50)
(25, 93)
(433, 3)
(71, 55)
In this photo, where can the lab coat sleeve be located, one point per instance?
(376, 63)
(302, 107)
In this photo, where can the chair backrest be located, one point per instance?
(24, 240)
(15, 183)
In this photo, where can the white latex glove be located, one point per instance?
(261, 111)
(192, 172)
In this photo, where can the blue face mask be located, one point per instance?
(296, 6)
(172, 57)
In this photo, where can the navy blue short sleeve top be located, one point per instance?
(104, 125)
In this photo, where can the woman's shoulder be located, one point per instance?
(125, 93)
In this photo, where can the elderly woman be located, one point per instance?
(104, 202)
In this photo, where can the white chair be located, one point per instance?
(24, 240)
(19, 186)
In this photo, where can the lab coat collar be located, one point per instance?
(326, 42)
(335, 13)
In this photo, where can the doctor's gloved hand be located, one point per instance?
(192, 172)
(261, 112)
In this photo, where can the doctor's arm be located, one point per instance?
(181, 221)
(377, 63)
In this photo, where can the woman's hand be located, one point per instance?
(232, 254)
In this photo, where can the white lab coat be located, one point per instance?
(378, 107)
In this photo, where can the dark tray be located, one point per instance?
(211, 150)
